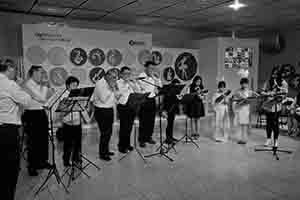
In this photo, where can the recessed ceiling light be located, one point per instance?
(237, 5)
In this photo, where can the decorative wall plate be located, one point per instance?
(157, 57)
(114, 57)
(96, 74)
(129, 58)
(96, 57)
(58, 76)
(144, 56)
(186, 66)
(78, 56)
(36, 55)
(57, 56)
(169, 74)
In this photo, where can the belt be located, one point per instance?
(8, 125)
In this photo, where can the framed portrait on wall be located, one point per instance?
(238, 57)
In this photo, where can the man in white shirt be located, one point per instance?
(12, 98)
(104, 101)
(36, 122)
(147, 111)
(126, 112)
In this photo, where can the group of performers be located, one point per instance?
(30, 96)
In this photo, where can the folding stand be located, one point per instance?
(274, 149)
(53, 171)
(74, 106)
(135, 146)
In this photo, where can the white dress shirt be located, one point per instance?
(12, 97)
(103, 96)
(38, 94)
(146, 87)
(125, 90)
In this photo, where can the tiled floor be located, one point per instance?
(215, 171)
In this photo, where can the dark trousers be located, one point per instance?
(272, 125)
(126, 115)
(105, 120)
(170, 125)
(10, 158)
(147, 120)
(72, 142)
(36, 128)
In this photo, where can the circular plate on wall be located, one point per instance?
(96, 57)
(96, 74)
(186, 66)
(78, 56)
(169, 74)
(58, 76)
(57, 56)
(144, 56)
(129, 58)
(157, 57)
(114, 57)
(36, 55)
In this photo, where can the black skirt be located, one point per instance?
(195, 108)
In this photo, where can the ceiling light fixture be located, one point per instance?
(237, 5)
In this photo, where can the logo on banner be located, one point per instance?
(137, 43)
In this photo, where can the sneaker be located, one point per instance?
(151, 141)
(105, 158)
(268, 143)
(67, 164)
(218, 140)
(130, 148)
(242, 142)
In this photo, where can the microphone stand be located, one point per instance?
(53, 171)
(160, 151)
(274, 149)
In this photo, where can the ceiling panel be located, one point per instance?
(61, 3)
(23, 5)
(143, 7)
(87, 14)
(50, 10)
(108, 5)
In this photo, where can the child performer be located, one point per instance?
(72, 130)
(195, 109)
(242, 109)
(222, 112)
(170, 109)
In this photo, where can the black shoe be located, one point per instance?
(151, 141)
(142, 144)
(32, 172)
(105, 158)
(175, 140)
(110, 153)
(168, 141)
(123, 151)
(130, 148)
(242, 142)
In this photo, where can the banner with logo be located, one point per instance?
(84, 53)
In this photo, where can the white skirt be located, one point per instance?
(243, 115)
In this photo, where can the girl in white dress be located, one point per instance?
(222, 114)
(242, 109)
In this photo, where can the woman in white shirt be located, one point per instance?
(104, 100)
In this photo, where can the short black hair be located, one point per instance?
(221, 84)
(124, 69)
(70, 80)
(3, 67)
(33, 69)
(148, 63)
(244, 81)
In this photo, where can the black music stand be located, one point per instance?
(53, 171)
(77, 98)
(160, 151)
(186, 138)
(274, 149)
(135, 100)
